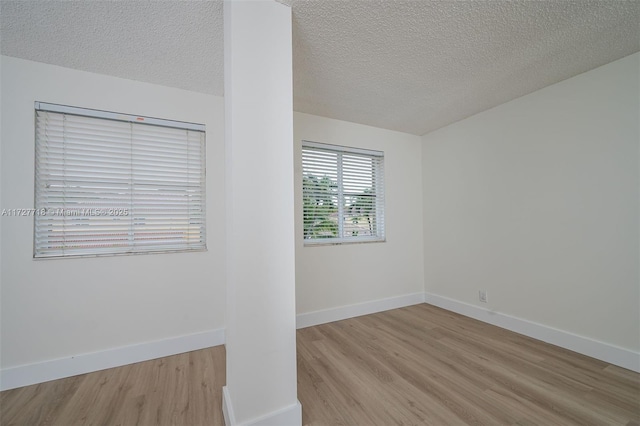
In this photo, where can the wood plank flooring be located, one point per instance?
(183, 389)
(418, 365)
(425, 365)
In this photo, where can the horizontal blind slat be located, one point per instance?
(87, 168)
(343, 193)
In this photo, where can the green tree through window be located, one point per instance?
(343, 194)
(320, 207)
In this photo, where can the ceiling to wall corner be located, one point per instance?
(412, 66)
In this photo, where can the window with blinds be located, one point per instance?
(343, 194)
(109, 183)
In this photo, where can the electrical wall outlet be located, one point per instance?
(482, 296)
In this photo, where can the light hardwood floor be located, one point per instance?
(183, 389)
(417, 365)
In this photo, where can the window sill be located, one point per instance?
(340, 242)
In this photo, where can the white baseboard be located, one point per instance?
(30, 374)
(350, 311)
(287, 416)
(25, 375)
(227, 408)
(603, 351)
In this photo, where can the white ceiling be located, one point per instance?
(173, 43)
(412, 66)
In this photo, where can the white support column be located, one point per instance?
(260, 336)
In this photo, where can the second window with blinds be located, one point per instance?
(109, 183)
(343, 194)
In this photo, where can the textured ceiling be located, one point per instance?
(172, 43)
(419, 65)
(412, 66)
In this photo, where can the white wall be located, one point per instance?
(331, 276)
(61, 308)
(536, 201)
(1, 217)
(261, 386)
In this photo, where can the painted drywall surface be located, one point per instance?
(536, 201)
(331, 276)
(261, 317)
(1, 217)
(60, 308)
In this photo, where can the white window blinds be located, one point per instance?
(343, 194)
(108, 183)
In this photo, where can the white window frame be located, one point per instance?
(113, 184)
(338, 176)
